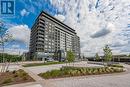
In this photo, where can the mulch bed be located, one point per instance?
(10, 78)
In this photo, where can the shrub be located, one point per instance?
(100, 70)
(25, 78)
(14, 71)
(116, 65)
(104, 70)
(89, 71)
(7, 80)
(95, 71)
(55, 73)
(118, 70)
(69, 72)
(25, 74)
(78, 71)
(21, 73)
(45, 75)
(111, 70)
(74, 72)
(15, 75)
(83, 71)
(108, 70)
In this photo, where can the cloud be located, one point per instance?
(119, 43)
(20, 33)
(100, 33)
(108, 21)
(60, 17)
(15, 46)
(24, 12)
(105, 31)
(60, 4)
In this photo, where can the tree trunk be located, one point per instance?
(8, 65)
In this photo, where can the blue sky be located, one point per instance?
(33, 9)
(26, 11)
(97, 23)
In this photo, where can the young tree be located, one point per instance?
(107, 53)
(97, 57)
(4, 38)
(70, 56)
(129, 55)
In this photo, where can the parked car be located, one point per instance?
(62, 59)
(50, 60)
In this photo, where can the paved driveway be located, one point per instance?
(40, 69)
(113, 80)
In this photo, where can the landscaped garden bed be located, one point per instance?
(79, 71)
(116, 65)
(14, 77)
(41, 64)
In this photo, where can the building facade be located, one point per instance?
(50, 36)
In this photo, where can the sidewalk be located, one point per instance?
(29, 84)
(38, 79)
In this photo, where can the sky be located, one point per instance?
(97, 23)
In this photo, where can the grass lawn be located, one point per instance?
(41, 64)
(14, 77)
(79, 71)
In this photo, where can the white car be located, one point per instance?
(50, 60)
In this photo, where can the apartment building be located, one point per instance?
(50, 37)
